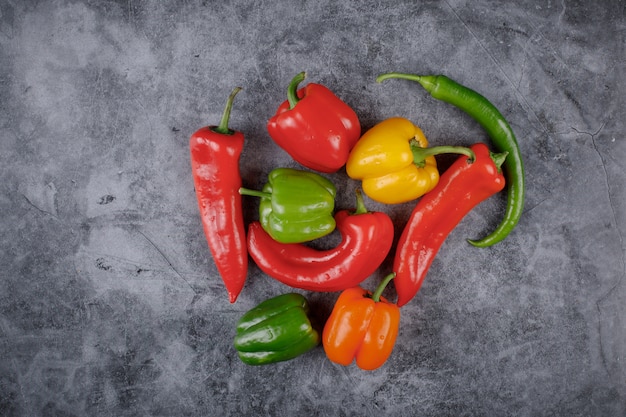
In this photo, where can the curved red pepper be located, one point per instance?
(215, 153)
(316, 128)
(461, 187)
(366, 240)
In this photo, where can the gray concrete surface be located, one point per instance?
(110, 304)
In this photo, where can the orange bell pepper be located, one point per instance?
(362, 327)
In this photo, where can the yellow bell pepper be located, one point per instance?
(394, 163)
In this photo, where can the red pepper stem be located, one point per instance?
(360, 205)
(381, 287)
(223, 126)
(498, 158)
(420, 154)
(254, 193)
(292, 89)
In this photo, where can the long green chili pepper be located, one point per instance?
(498, 129)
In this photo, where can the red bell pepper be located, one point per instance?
(366, 240)
(315, 127)
(215, 153)
(461, 187)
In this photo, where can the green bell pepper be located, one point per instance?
(296, 206)
(276, 330)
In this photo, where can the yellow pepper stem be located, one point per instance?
(420, 154)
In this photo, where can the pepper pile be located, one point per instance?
(395, 165)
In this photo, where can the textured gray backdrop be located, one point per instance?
(110, 304)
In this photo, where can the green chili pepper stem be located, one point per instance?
(254, 193)
(292, 89)
(223, 126)
(360, 204)
(411, 77)
(420, 154)
(381, 287)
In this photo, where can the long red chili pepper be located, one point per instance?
(461, 187)
(215, 153)
(366, 240)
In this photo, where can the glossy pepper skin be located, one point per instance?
(366, 240)
(362, 327)
(461, 187)
(394, 162)
(315, 127)
(296, 206)
(215, 153)
(500, 132)
(278, 329)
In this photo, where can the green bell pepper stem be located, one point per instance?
(292, 89)
(223, 126)
(254, 193)
(381, 287)
(420, 154)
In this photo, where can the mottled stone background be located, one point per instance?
(110, 303)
